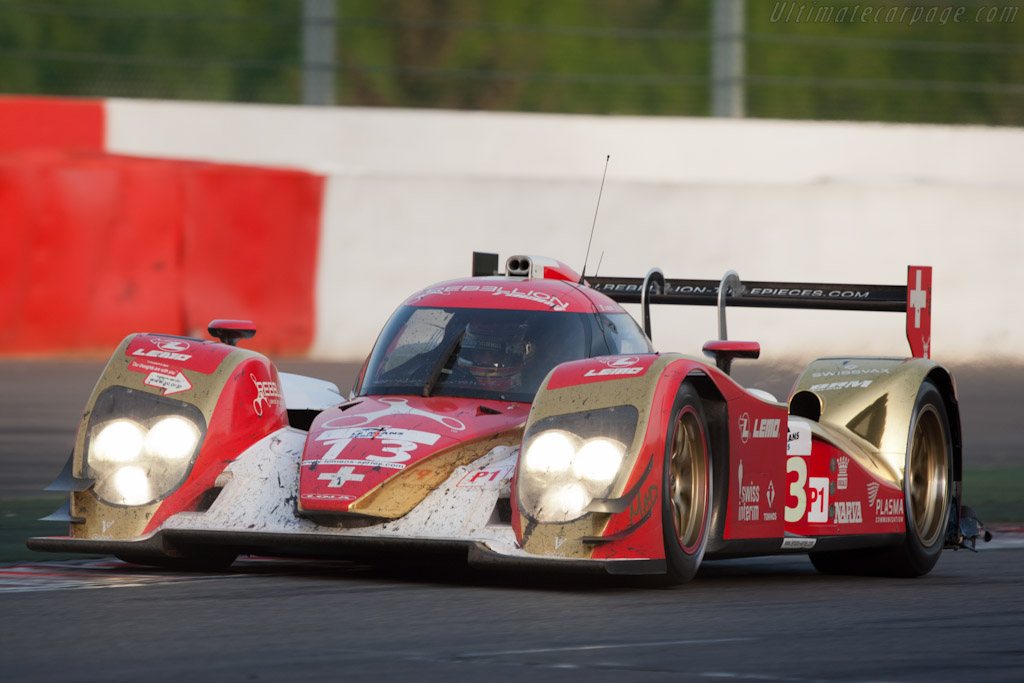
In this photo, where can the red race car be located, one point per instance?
(525, 418)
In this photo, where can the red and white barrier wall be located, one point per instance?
(97, 245)
(317, 222)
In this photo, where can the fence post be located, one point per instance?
(318, 31)
(727, 58)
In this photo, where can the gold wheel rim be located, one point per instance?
(688, 480)
(928, 479)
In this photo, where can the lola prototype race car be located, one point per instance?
(523, 418)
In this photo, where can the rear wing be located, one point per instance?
(914, 298)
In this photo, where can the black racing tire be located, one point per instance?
(209, 561)
(686, 487)
(927, 500)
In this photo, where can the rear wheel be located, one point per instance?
(686, 490)
(927, 479)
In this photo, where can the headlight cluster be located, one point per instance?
(568, 461)
(139, 458)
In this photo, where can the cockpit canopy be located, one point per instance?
(500, 354)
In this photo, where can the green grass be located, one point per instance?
(996, 494)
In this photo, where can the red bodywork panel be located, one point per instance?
(249, 408)
(175, 354)
(504, 294)
(354, 448)
(600, 370)
(757, 468)
(828, 493)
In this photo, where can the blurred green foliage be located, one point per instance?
(648, 57)
(995, 493)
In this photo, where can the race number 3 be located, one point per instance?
(810, 493)
(794, 513)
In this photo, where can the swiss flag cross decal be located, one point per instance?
(919, 310)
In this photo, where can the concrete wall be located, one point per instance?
(411, 193)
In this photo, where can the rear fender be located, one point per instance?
(869, 403)
(232, 395)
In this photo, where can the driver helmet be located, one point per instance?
(495, 354)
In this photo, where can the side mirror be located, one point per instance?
(724, 351)
(230, 331)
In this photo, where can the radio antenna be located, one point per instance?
(594, 224)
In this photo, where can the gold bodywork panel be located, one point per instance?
(867, 405)
(563, 540)
(401, 493)
(108, 522)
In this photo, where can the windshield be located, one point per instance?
(488, 354)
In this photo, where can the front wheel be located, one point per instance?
(686, 487)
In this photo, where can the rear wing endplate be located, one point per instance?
(914, 298)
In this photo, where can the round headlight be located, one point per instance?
(132, 485)
(118, 441)
(598, 461)
(172, 438)
(549, 453)
(562, 503)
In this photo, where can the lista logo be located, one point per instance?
(763, 428)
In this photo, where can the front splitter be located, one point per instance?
(183, 543)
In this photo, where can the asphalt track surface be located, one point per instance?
(763, 619)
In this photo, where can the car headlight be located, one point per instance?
(138, 458)
(551, 453)
(130, 485)
(570, 460)
(172, 438)
(119, 441)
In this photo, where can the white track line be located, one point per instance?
(579, 648)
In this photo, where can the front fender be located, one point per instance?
(626, 523)
(233, 395)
